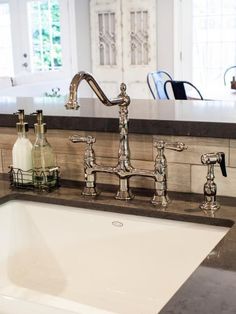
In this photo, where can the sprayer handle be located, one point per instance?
(222, 164)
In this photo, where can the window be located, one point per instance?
(45, 35)
(214, 40)
(40, 46)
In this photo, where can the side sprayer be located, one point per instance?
(210, 189)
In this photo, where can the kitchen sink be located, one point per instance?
(75, 260)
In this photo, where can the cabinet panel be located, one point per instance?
(123, 43)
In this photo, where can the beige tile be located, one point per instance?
(143, 164)
(6, 130)
(232, 153)
(1, 167)
(71, 167)
(59, 140)
(7, 138)
(225, 185)
(141, 147)
(196, 147)
(107, 178)
(142, 182)
(178, 176)
(233, 143)
(107, 144)
(6, 160)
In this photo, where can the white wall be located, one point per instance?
(84, 62)
(174, 37)
(182, 33)
(165, 35)
(83, 35)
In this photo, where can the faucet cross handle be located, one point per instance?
(82, 139)
(178, 146)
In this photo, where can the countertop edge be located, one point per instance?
(138, 126)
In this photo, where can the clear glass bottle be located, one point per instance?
(21, 153)
(43, 157)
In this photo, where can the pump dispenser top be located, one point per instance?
(21, 126)
(40, 127)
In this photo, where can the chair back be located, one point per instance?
(155, 81)
(179, 91)
(229, 70)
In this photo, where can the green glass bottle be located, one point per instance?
(43, 158)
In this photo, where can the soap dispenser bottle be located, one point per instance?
(43, 157)
(21, 152)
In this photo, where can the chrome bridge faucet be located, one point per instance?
(124, 170)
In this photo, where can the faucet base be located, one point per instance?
(160, 200)
(210, 206)
(90, 191)
(124, 195)
(124, 192)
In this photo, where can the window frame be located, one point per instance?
(21, 43)
(12, 66)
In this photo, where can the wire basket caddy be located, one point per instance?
(38, 180)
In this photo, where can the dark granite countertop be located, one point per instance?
(211, 287)
(163, 117)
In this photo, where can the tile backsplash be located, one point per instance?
(185, 171)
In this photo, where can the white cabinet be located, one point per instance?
(123, 36)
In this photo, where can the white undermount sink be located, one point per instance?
(59, 260)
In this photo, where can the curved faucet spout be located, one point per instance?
(122, 99)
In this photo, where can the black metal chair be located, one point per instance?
(179, 91)
(155, 81)
(229, 70)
